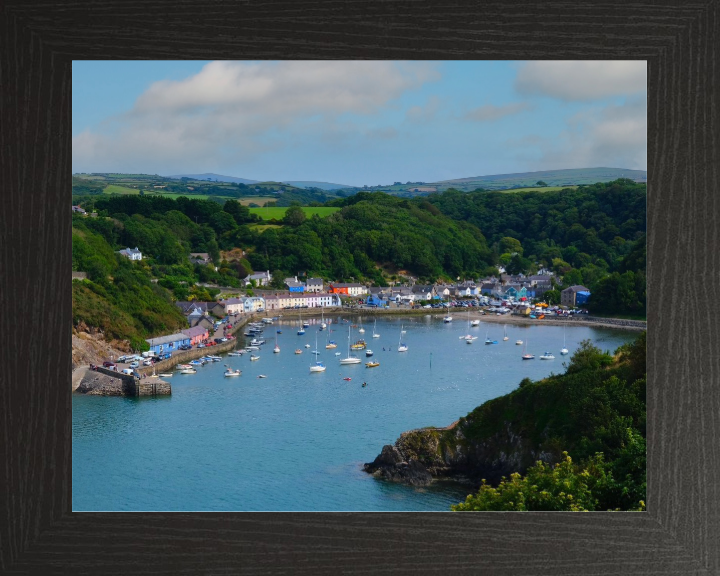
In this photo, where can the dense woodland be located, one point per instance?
(592, 419)
(594, 235)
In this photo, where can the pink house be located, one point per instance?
(196, 334)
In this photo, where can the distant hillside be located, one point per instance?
(550, 177)
(213, 177)
(313, 184)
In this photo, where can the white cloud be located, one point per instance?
(614, 136)
(424, 114)
(490, 112)
(232, 110)
(582, 80)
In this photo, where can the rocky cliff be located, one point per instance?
(418, 456)
(586, 410)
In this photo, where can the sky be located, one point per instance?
(357, 122)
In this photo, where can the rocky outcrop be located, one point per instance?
(97, 384)
(418, 456)
(392, 465)
(90, 347)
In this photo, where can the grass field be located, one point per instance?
(543, 189)
(279, 212)
(259, 200)
(115, 189)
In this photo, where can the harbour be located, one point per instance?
(280, 437)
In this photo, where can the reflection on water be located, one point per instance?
(297, 440)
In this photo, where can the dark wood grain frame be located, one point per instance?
(680, 533)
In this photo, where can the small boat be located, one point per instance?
(236, 353)
(527, 356)
(188, 371)
(368, 352)
(564, 349)
(547, 356)
(518, 342)
(183, 366)
(317, 367)
(196, 363)
(279, 331)
(307, 345)
(165, 375)
(475, 323)
(330, 345)
(251, 348)
(253, 357)
(322, 319)
(447, 319)
(215, 358)
(262, 376)
(276, 350)
(372, 364)
(375, 334)
(362, 330)
(346, 378)
(229, 372)
(505, 336)
(301, 331)
(337, 353)
(306, 324)
(402, 347)
(349, 359)
(298, 351)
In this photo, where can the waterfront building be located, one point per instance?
(574, 296)
(168, 343)
(196, 334)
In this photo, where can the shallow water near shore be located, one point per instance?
(297, 440)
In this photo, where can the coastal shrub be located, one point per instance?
(560, 487)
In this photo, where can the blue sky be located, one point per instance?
(358, 122)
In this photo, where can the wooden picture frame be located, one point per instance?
(679, 533)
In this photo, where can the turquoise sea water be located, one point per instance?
(297, 440)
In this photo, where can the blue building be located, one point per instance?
(168, 343)
(375, 300)
(582, 297)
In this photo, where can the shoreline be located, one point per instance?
(461, 314)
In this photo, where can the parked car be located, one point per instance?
(201, 345)
(127, 371)
(122, 358)
(147, 362)
(108, 364)
(217, 340)
(223, 339)
(134, 364)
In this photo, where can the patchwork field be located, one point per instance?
(543, 189)
(279, 212)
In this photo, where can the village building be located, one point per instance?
(314, 285)
(347, 289)
(131, 254)
(261, 278)
(574, 296)
(168, 343)
(290, 300)
(200, 258)
(196, 334)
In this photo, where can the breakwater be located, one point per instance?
(104, 382)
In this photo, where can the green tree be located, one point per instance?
(294, 216)
(562, 487)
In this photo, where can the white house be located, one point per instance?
(261, 278)
(314, 285)
(131, 254)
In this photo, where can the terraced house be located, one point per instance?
(321, 300)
